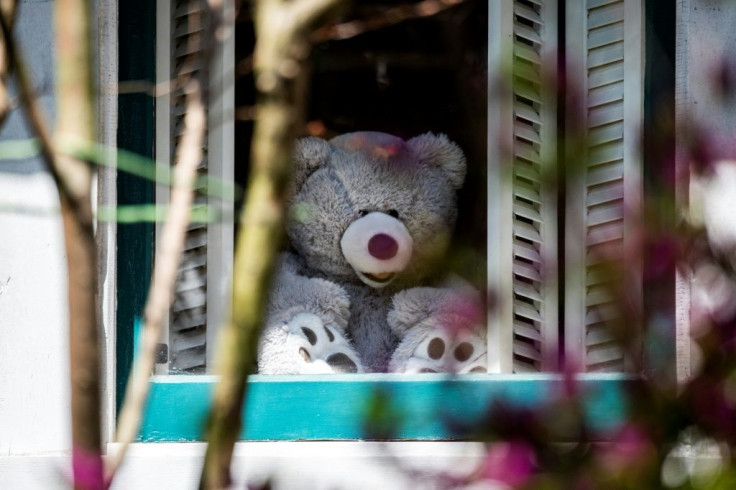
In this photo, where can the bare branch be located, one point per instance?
(168, 259)
(388, 17)
(7, 11)
(283, 30)
(75, 123)
(73, 178)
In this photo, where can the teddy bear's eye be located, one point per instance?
(393, 213)
(362, 212)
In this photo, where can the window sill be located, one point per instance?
(337, 407)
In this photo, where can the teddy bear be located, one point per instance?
(360, 288)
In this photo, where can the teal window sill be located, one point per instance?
(337, 407)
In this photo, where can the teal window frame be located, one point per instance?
(335, 407)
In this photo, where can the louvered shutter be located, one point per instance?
(605, 63)
(203, 277)
(522, 228)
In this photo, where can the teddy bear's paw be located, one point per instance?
(442, 353)
(322, 348)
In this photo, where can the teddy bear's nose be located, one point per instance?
(382, 246)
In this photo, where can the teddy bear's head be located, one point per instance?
(372, 208)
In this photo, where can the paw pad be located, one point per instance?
(439, 353)
(322, 348)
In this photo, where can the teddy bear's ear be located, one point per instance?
(439, 151)
(309, 154)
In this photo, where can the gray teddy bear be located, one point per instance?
(371, 216)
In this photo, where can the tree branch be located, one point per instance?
(282, 30)
(387, 18)
(76, 124)
(168, 258)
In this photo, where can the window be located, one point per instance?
(536, 229)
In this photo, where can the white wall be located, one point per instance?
(34, 380)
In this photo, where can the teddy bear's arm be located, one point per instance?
(440, 330)
(305, 326)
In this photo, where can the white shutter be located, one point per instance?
(203, 278)
(522, 227)
(605, 66)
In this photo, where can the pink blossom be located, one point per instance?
(511, 463)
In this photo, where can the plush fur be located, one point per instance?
(440, 330)
(353, 177)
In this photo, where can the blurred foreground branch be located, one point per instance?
(7, 11)
(76, 123)
(168, 258)
(283, 30)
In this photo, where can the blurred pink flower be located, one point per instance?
(87, 468)
(631, 446)
(460, 312)
(511, 463)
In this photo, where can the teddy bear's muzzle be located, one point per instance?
(377, 247)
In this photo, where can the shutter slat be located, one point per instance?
(606, 134)
(527, 33)
(605, 154)
(526, 211)
(189, 341)
(604, 355)
(527, 172)
(527, 291)
(526, 71)
(604, 233)
(605, 193)
(612, 255)
(606, 15)
(524, 111)
(526, 231)
(527, 251)
(526, 270)
(605, 213)
(526, 151)
(526, 350)
(607, 114)
(604, 55)
(527, 91)
(606, 35)
(526, 52)
(603, 75)
(606, 94)
(526, 331)
(527, 132)
(527, 13)
(605, 173)
(524, 368)
(527, 311)
(601, 314)
(526, 191)
(599, 3)
(598, 295)
(599, 334)
(187, 321)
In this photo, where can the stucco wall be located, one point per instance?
(34, 399)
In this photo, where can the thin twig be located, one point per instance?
(168, 258)
(387, 18)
